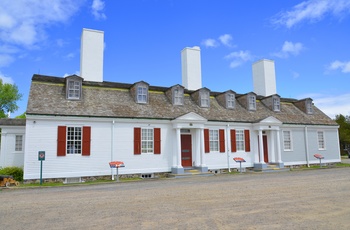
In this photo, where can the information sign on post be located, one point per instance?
(41, 158)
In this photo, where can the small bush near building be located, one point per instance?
(16, 172)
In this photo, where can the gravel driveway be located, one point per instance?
(308, 199)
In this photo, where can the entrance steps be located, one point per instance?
(271, 167)
(191, 172)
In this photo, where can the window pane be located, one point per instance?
(240, 140)
(214, 140)
(146, 140)
(74, 88)
(74, 140)
(19, 143)
(287, 140)
(320, 136)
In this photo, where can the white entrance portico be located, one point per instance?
(189, 124)
(269, 143)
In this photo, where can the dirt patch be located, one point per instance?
(312, 199)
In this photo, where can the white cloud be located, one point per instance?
(23, 24)
(226, 40)
(343, 66)
(289, 48)
(5, 59)
(98, 7)
(210, 42)
(332, 105)
(5, 79)
(312, 11)
(238, 58)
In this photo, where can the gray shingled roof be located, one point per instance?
(107, 99)
(12, 122)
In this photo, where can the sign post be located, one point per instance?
(41, 158)
(240, 160)
(116, 165)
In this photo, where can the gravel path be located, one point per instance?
(309, 199)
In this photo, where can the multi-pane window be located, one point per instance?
(74, 140)
(309, 107)
(287, 140)
(142, 94)
(178, 96)
(276, 104)
(240, 140)
(252, 102)
(74, 89)
(321, 142)
(147, 140)
(214, 140)
(19, 143)
(230, 97)
(204, 99)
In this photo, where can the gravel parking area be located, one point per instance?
(308, 199)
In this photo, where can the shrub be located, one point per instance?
(16, 172)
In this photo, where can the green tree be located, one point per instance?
(9, 96)
(344, 131)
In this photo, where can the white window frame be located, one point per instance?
(321, 140)
(142, 94)
(18, 143)
(251, 102)
(240, 140)
(276, 104)
(74, 138)
(309, 109)
(147, 140)
(73, 89)
(178, 96)
(204, 99)
(214, 140)
(230, 100)
(287, 140)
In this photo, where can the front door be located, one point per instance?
(186, 151)
(266, 151)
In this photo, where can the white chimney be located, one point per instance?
(191, 68)
(264, 77)
(91, 55)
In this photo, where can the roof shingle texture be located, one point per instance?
(106, 99)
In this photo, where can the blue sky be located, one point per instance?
(308, 40)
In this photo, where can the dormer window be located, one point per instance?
(73, 87)
(230, 100)
(276, 104)
(204, 99)
(142, 93)
(309, 109)
(178, 96)
(251, 102)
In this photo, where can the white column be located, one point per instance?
(279, 158)
(198, 148)
(261, 147)
(202, 146)
(273, 146)
(178, 144)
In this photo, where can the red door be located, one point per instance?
(186, 151)
(266, 151)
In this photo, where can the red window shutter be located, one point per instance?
(222, 140)
(233, 141)
(137, 140)
(156, 140)
(86, 141)
(206, 141)
(247, 140)
(61, 141)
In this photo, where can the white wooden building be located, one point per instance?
(82, 123)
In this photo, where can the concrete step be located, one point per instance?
(191, 173)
